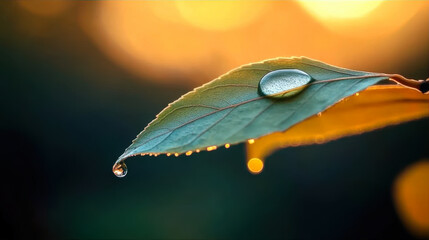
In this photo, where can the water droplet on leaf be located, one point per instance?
(120, 169)
(282, 80)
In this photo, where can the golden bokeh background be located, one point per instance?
(187, 43)
(198, 40)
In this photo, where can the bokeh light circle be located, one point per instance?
(340, 9)
(220, 15)
(411, 191)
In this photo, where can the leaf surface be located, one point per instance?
(373, 108)
(230, 110)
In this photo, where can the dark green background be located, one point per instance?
(67, 113)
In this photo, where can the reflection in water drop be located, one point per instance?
(120, 169)
(282, 80)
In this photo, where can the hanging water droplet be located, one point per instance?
(120, 169)
(282, 80)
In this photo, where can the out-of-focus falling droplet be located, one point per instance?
(255, 165)
(282, 80)
(251, 141)
(227, 145)
(176, 154)
(120, 169)
(197, 151)
(357, 94)
(188, 153)
(168, 154)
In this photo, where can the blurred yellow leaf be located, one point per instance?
(375, 107)
(411, 192)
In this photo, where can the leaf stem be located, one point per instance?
(420, 85)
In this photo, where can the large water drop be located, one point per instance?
(120, 169)
(282, 80)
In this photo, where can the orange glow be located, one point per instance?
(220, 15)
(251, 141)
(369, 18)
(340, 9)
(411, 192)
(165, 41)
(255, 165)
(188, 153)
(375, 107)
(227, 145)
(45, 8)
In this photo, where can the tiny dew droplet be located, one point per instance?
(211, 148)
(120, 169)
(282, 80)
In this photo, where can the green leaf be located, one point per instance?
(230, 110)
